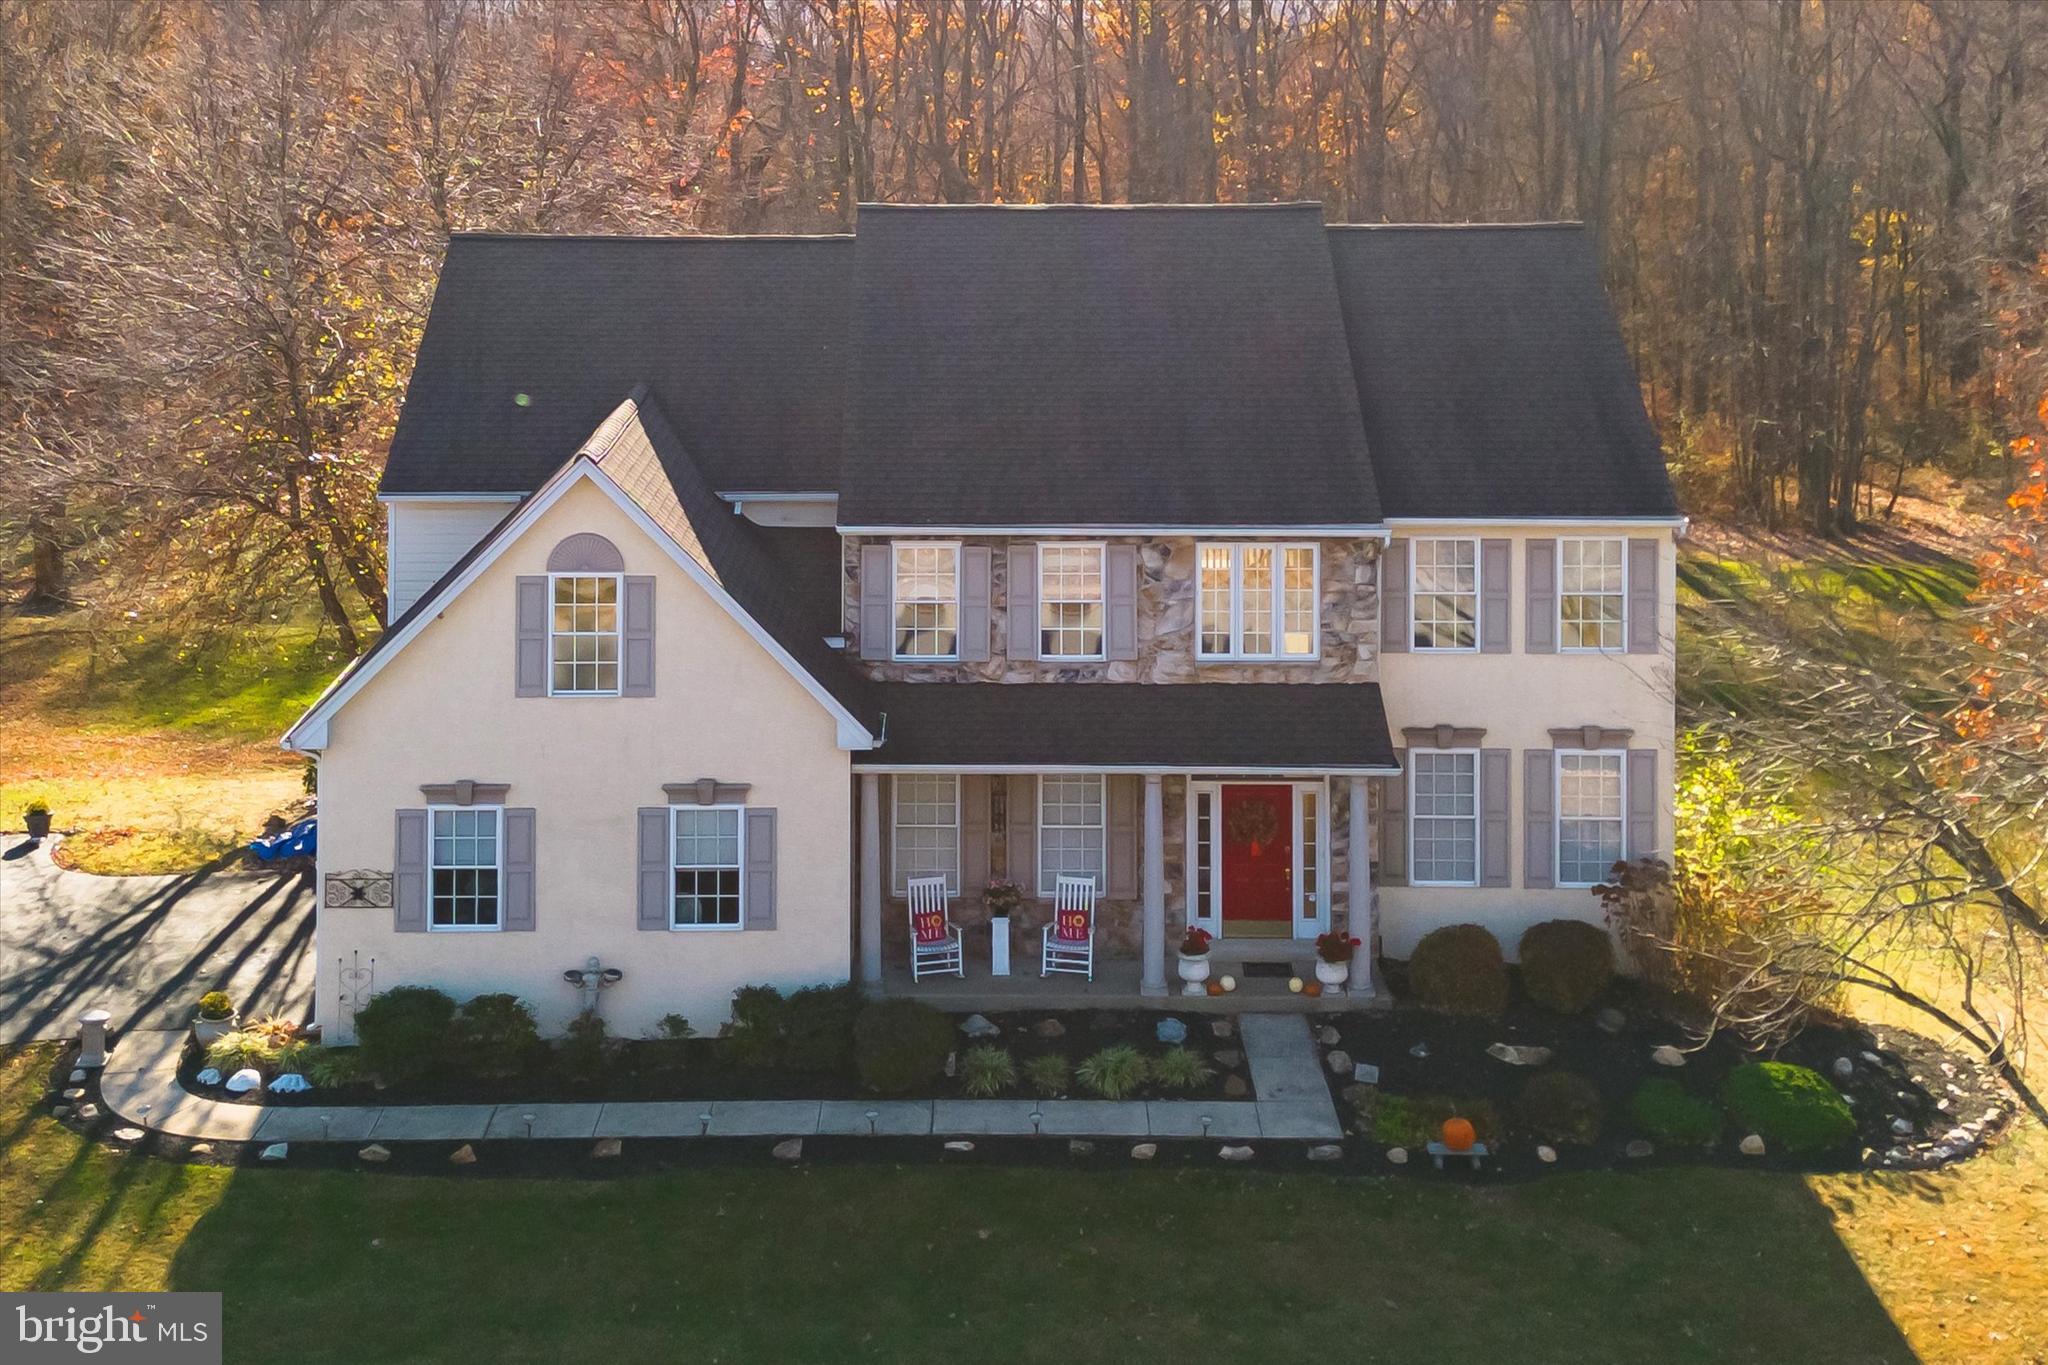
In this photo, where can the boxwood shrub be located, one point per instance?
(1793, 1108)
(1566, 964)
(1561, 1106)
(1458, 969)
(1663, 1109)
(404, 1032)
(901, 1045)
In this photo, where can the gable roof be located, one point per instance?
(1082, 365)
(1492, 376)
(740, 339)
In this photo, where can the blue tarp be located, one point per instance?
(301, 840)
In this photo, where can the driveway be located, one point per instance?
(145, 948)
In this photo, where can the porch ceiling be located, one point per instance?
(1264, 727)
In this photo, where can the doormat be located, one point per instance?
(1280, 970)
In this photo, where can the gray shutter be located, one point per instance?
(636, 668)
(1121, 858)
(760, 872)
(409, 873)
(1023, 603)
(1539, 630)
(657, 883)
(1021, 812)
(877, 591)
(530, 669)
(518, 900)
(1539, 830)
(1642, 597)
(1394, 624)
(974, 567)
(1120, 601)
(974, 872)
(1642, 803)
(1493, 816)
(1496, 580)
(1394, 825)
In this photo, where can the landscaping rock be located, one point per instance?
(952, 1065)
(129, 1135)
(376, 1154)
(1170, 1031)
(1365, 1073)
(1339, 1062)
(78, 1075)
(1873, 1058)
(607, 1147)
(960, 1145)
(1902, 1127)
(276, 1151)
(1752, 1145)
(1236, 1153)
(1610, 1021)
(1327, 1151)
(1666, 1055)
(76, 1092)
(1329, 1037)
(291, 1083)
(200, 1149)
(245, 1080)
(465, 1155)
(1144, 1151)
(1547, 1155)
(789, 1149)
(209, 1076)
(1844, 1069)
(1398, 1155)
(1235, 1087)
(60, 1111)
(86, 1113)
(1419, 1051)
(980, 1026)
(1637, 1150)
(1080, 1147)
(1518, 1056)
(1049, 1028)
(1222, 1028)
(1229, 1058)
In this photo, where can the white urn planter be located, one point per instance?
(1194, 973)
(210, 1031)
(1333, 975)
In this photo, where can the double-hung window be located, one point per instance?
(1070, 601)
(1070, 830)
(583, 641)
(1443, 804)
(1590, 802)
(927, 829)
(706, 858)
(1592, 593)
(1443, 594)
(1257, 602)
(464, 868)
(926, 594)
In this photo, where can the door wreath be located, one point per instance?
(1253, 823)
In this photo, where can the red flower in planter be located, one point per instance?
(1336, 946)
(1196, 944)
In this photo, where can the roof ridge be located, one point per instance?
(1287, 205)
(649, 237)
(1568, 224)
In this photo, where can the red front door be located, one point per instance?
(1258, 855)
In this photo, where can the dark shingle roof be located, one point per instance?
(741, 339)
(1492, 376)
(1157, 366)
(1190, 725)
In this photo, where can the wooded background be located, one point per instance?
(1821, 220)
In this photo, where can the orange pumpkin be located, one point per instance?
(1312, 989)
(1215, 988)
(1459, 1134)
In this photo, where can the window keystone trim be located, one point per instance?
(465, 792)
(707, 791)
(1443, 736)
(1590, 737)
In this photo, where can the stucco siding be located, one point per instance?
(444, 709)
(422, 538)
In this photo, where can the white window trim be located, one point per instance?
(894, 547)
(1478, 596)
(1621, 647)
(896, 833)
(1046, 893)
(1557, 801)
(498, 814)
(675, 815)
(1478, 853)
(618, 632)
(1279, 548)
(1101, 549)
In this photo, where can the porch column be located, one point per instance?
(1153, 982)
(1358, 891)
(870, 879)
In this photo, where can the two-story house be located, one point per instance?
(1279, 577)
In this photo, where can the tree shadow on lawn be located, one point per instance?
(912, 1262)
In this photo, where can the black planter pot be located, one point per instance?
(39, 824)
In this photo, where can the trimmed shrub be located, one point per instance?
(586, 1045)
(1458, 969)
(1114, 1072)
(403, 1032)
(1566, 964)
(495, 1034)
(901, 1045)
(216, 1005)
(1561, 1106)
(1182, 1068)
(753, 1040)
(1047, 1073)
(987, 1071)
(1417, 1120)
(810, 1031)
(1663, 1109)
(1793, 1108)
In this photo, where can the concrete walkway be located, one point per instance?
(140, 1083)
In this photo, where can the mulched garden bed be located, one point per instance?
(1915, 1103)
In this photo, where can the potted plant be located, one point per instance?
(1002, 898)
(216, 1018)
(1194, 961)
(38, 813)
(1333, 958)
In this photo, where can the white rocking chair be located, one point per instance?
(934, 942)
(1069, 941)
